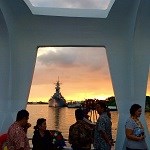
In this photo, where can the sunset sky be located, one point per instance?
(83, 72)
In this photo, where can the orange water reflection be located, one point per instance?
(61, 119)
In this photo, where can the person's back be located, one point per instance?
(80, 133)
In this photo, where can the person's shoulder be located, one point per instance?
(13, 126)
(103, 117)
(36, 132)
(83, 124)
(48, 132)
(74, 125)
(129, 121)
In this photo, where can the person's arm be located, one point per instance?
(73, 135)
(131, 136)
(28, 125)
(35, 140)
(106, 138)
(70, 138)
(103, 134)
(19, 139)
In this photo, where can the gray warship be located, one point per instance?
(57, 100)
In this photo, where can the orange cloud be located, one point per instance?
(84, 73)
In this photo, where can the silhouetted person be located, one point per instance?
(103, 131)
(42, 139)
(17, 138)
(80, 133)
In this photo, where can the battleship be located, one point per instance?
(57, 100)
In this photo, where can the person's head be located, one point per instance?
(85, 113)
(79, 114)
(101, 107)
(135, 110)
(40, 124)
(22, 117)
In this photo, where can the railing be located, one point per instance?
(67, 147)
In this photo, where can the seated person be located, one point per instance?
(42, 139)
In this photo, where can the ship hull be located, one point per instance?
(57, 103)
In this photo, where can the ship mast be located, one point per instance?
(57, 86)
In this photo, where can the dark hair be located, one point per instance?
(79, 114)
(39, 123)
(134, 108)
(104, 106)
(22, 114)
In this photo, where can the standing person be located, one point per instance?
(42, 139)
(135, 138)
(103, 132)
(17, 138)
(80, 133)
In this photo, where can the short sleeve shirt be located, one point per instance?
(77, 129)
(103, 124)
(131, 124)
(17, 138)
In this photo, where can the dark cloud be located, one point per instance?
(89, 58)
(59, 58)
(72, 64)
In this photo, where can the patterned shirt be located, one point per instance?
(103, 124)
(80, 135)
(17, 138)
(132, 125)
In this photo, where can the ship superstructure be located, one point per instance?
(57, 100)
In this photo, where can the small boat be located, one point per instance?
(73, 104)
(112, 108)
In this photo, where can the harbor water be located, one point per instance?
(61, 118)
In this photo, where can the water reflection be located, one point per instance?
(61, 118)
(56, 117)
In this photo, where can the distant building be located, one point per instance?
(57, 100)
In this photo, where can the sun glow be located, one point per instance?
(83, 72)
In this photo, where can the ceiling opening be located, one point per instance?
(71, 8)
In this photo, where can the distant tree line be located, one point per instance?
(111, 101)
(40, 102)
